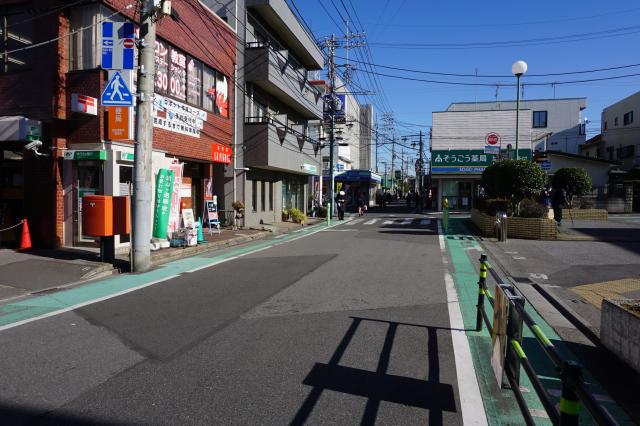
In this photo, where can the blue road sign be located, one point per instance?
(116, 93)
(118, 43)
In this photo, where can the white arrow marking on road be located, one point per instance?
(519, 257)
(371, 222)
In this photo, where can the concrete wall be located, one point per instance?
(563, 120)
(599, 171)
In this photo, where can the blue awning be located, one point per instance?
(357, 176)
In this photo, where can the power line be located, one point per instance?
(496, 76)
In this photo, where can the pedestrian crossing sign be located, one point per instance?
(116, 93)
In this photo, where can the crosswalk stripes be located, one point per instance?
(407, 221)
(388, 222)
(371, 222)
(354, 222)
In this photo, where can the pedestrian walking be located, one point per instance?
(361, 204)
(558, 200)
(409, 197)
(340, 202)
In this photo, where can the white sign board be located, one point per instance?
(84, 104)
(177, 117)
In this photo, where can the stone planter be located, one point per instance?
(517, 227)
(620, 329)
(585, 214)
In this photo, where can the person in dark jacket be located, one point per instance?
(340, 202)
(558, 200)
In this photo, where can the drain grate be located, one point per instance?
(525, 280)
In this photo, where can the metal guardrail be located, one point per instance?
(574, 389)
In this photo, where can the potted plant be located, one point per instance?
(285, 215)
(298, 216)
(238, 208)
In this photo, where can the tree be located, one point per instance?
(514, 180)
(574, 180)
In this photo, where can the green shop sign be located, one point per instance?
(71, 154)
(470, 161)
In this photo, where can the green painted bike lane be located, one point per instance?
(32, 308)
(500, 404)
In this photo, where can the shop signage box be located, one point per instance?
(467, 161)
(71, 154)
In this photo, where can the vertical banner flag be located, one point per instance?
(174, 218)
(164, 185)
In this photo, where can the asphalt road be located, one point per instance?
(349, 325)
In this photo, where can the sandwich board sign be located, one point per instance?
(116, 93)
(211, 214)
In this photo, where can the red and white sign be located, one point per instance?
(127, 43)
(493, 139)
(220, 153)
(84, 104)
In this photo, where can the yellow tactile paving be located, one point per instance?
(594, 293)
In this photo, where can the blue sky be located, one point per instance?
(398, 22)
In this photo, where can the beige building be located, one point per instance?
(620, 137)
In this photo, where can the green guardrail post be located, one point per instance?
(482, 282)
(569, 402)
(445, 215)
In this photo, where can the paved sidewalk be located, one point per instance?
(577, 274)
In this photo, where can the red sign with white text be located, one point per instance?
(220, 153)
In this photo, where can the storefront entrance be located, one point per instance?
(292, 193)
(459, 193)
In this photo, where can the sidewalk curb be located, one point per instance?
(161, 258)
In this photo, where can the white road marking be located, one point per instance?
(353, 222)
(539, 276)
(425, 222)
(538, 413)
(519, 257)
(511, 252)
(469, 391)
(371, 222)
(388, 222)
(407, 221)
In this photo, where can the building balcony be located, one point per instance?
(282, 77)
(269, 144)
(278, 15)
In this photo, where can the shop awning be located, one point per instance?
(358, 176)
(17, 128)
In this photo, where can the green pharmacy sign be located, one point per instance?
(468, 161)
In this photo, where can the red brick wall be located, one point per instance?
(44, 93)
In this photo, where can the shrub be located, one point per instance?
(574, 180)
(513, 180)
(531, 208)
(297, 215)
(493, 206)
(321, 211)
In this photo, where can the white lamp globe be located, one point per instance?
(519, 67)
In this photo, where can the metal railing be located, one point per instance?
(574, 390)
(267, 119)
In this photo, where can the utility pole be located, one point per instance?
(393, 162)
(142, 170)
(376, 142)
(421, 181)
(332, 103)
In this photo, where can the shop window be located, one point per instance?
(254, 195)
(194, 82)
(263, 188)
(222, 95)
(209, 88)
(16, 37)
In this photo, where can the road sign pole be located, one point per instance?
(142, 181)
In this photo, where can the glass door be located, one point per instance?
(89, 175)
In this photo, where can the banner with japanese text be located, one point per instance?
(472, 161)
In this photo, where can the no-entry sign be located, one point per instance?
(492, 143)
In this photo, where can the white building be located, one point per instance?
(556, 124)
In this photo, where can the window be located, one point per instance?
(263, 202)
(539, 119)
(605, 126)
(628, 118)
(209, 88)
(194, 82)
(222, 95)
(271, 196)
(626, 151)
(254, 195)
(615, 121)
(16, 26)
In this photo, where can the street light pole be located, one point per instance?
(518, 69)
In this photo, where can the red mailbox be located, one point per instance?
(121, 216)
(97, 215)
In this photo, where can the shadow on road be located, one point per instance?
(378, 386)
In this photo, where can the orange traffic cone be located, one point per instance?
(25, 244)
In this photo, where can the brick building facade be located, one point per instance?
(47, 189)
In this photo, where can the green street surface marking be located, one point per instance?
(26, 310)
(500, 404)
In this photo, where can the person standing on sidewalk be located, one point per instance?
(340, 201)
(558, 200)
